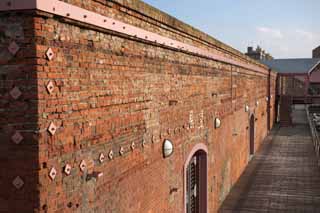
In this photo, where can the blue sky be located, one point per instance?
(285, 28)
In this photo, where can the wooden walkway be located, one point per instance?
(284, 175)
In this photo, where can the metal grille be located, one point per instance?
(193, 186)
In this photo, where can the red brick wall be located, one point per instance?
(111, 91)
(18, 114)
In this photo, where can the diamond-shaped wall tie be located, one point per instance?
(67, 169)
(50, 87)
(52, 128)
(101, 157)
(121, 151)
(13, 48)
(83, 166)
(133, 146)
(144, 143)
(53, 173)
(15, 93)
(17, 137)
(110, 155)
(18, 182)
(50, 54)
(154, 138)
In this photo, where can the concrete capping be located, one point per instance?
(175, 23)
(82, 15)
(196, 148)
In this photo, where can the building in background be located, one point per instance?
(298, 83)
(316, 52)
(258, 54)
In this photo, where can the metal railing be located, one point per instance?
(313, 126)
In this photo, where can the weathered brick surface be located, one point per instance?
(111, 91)
(18, 114)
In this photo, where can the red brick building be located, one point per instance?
(91, 90)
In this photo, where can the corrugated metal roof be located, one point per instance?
(299, 65)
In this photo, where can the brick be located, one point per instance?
(112, 92)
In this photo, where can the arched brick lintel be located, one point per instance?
(196, 148)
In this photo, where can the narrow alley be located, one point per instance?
(282, 177)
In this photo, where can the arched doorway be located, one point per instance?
(251, 134)
(196, 182)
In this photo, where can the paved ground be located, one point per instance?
(282, 177)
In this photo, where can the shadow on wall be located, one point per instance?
(18, 115)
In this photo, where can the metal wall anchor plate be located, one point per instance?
(52, 128)
(101, 157)
(133, 146)
(50, 87)
(17, 137)
(144, 143)
(15, 93)
(121, 151)
(49, 54)
(13, 48)
(83, 165)
(53, 173)
(67, 169)
(110, 155)
(154, 139)
(18, 182)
